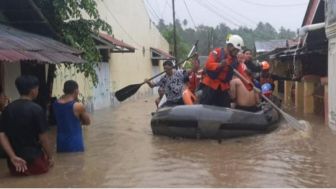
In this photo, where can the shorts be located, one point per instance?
(248, 109)
(39, 165)
(215, 97)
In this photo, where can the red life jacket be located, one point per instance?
(195, 79)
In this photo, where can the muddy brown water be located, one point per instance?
(122, 152)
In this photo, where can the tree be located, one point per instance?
(248, 35)
(210, 37)
(66, 17)
(185, 22)
(286, 34)
(161, 25)
(182, 47)
(265, 32)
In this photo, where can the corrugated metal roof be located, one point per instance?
(267, 46)
(119, 46)
(17, 45)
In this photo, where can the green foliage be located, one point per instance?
(211, 37)
(285, 34)
(168, 33)
(66, 17)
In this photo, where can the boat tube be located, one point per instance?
(204, 121)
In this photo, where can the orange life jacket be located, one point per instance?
(217, 76)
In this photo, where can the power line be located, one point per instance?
(237, 13)
(117, 21)
(273, 5)
(232, 17)
(214, 11)
(164, 8)
(192, 20)
(153, 11)
(151, 15)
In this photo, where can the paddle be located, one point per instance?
(290, 119)
(129, 90)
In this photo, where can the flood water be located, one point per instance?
(122, 152)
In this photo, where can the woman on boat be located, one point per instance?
(193, 83)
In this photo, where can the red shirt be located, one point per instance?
(194, 80)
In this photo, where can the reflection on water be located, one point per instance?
(122, 152)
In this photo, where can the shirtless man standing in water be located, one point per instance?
(244, 99)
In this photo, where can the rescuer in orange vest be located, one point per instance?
(219, 72)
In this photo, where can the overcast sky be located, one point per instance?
(234, 13)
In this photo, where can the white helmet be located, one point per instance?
(236, 41)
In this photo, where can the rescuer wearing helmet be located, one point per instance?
(219, 72)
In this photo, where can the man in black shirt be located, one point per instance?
(252, 66)
(23, 131)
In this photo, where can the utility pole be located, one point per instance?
(210, 40)
(174, 32)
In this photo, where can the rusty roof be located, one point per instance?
(160, 54)
(119, 46)
(17, 45)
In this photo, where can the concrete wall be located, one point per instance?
(11, 72)
(331, 34)
(131, 23)
(63, 74)
(331, 82)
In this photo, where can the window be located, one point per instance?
(155, 62)
(104, 55)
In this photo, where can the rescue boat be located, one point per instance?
(212, 122)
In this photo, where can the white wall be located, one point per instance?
(331, 83)
(11, 72)
(131, 23)
(331, 34)
(63, 74)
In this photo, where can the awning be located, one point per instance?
(17, 45)
(105, 41)
(158, 54)
(290, 53)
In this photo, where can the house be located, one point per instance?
(263, 47)
(315, 60)
(28, 46)
(331, 84)
(133, 52)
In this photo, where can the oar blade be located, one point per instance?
(126, 92)
(294, 122)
